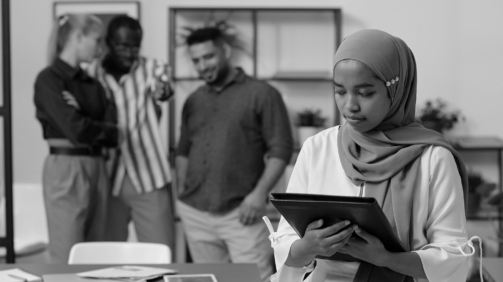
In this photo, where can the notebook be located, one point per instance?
(126, 272)
(16, 275)
(299, 210)
(74, 278)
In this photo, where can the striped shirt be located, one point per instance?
(141, 154)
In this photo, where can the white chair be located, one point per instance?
(119, 252)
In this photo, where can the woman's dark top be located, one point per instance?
(94, 124)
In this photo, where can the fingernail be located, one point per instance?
(346, 222)
(357, 230)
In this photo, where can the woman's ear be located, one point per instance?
(227, 51)
(77, 36)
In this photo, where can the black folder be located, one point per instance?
(299, 210)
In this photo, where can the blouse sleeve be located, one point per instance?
(445, 227)
(285, 235)
(75, 126)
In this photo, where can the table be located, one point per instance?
(493, 269)
(223, 272)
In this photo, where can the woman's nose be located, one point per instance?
(352, 103)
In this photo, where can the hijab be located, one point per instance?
(386, 158)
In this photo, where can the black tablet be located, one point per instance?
(299, 210)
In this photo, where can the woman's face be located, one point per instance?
(89, 46)
(361, 97)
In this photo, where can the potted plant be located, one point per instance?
(309, 122)
(436, 116)
(479, 191)
(474, 181)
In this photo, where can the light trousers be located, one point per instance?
(151, 213)
(222, 238)
(76, 191)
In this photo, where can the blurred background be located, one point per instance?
(457, 46)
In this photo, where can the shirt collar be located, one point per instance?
(67, 71)
(238, 77)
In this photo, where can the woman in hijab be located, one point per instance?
(382, 152)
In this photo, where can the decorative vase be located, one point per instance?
(305, 132)
(434, 125)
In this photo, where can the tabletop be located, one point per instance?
(223, 272)
(493, 269)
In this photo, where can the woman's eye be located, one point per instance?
(340, 92)
(365, 94)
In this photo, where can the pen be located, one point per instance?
(21, 279)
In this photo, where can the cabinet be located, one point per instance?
(291, 49)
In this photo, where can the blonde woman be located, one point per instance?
(77, 123)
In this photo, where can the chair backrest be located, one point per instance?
(119, 252)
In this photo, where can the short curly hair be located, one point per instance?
(219, 32)
(204, 34)
(122, 21)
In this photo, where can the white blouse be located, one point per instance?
(438, 209)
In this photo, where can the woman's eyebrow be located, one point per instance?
(365, 84)
(338, 84)
(361, 85)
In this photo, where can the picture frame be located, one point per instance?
(103, 10)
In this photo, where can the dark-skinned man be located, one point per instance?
(139, 170)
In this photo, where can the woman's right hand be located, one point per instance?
(319, 241)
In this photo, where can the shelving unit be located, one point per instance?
(291, 49)
(478, 145)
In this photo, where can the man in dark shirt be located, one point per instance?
(235, 143)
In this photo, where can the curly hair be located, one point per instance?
(220, 32)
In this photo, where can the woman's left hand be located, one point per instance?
(366, 247)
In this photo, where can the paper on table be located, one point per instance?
(17, 275)
(190, 278)
(75, 278)
(127, 272)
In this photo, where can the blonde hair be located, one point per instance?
(65, 25)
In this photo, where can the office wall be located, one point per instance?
(455, 42)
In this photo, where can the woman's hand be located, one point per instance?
(366, 247)
(370, 249)
(70, 100)
(325, 242)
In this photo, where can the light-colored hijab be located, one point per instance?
(386, 158)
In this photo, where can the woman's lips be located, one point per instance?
(354, 119)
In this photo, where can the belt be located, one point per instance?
(89, 151)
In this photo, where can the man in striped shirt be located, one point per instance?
(139, 169)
